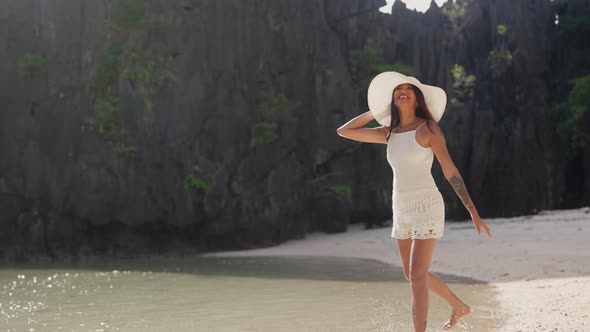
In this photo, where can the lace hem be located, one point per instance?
(434, 235)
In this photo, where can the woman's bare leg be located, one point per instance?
(420, 258)
(459, 308)
(435, 284)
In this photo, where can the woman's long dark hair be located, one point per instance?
(421, 111)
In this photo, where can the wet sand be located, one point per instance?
(193, 293)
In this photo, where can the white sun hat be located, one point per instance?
(379, 96)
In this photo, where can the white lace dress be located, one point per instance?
(417, 204)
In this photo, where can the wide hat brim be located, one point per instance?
(380, 93)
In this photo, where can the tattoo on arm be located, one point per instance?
(459, 186)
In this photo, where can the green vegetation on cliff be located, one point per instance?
(463, 85)
(271, 108)
(367, 62)
(29, 64)
(457, 14)
(500, 57)
(573, 113)
(342, 191)
(193, 182)
(146, 71)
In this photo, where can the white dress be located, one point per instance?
(417, 204)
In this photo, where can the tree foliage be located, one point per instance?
(271, 107)
(457, 15)
(29, 64)
(573, 113)
(463, 84)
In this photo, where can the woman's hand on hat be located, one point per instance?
(478, 223)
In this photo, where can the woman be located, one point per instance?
(408, 112)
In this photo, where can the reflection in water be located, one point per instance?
(224, 294)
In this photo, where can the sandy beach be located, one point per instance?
(539, 264)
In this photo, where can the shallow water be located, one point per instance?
(225, 294)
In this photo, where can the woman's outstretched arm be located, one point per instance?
(354, 130)
(438, 145)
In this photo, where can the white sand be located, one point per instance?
(539, 264)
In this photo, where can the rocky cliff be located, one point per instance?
(152, 126)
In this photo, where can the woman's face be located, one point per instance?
(404, 96)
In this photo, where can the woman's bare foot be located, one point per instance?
(456, 314)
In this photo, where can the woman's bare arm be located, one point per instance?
(439, 147)
(354, 130)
